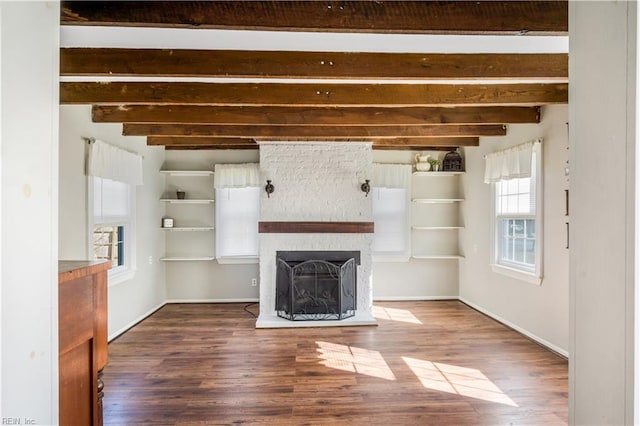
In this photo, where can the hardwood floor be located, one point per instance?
(427, 363)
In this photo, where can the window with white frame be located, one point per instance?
(113, 174)
(112, 224)
(517, 223)
(237, 212)
(391, 212)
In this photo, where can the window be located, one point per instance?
(111, 226)
(391, 213)
(113, 175)
(391, 223)
(518, 222)
(237, 213)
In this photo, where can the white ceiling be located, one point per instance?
(173, 38)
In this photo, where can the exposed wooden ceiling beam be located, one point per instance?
(195, 141)
(217, 147)
(413, 148)
(375, 147)
(428, 17)
(313, 94)
(426, 143)
(311, 132)
(316, 116)
(420, 143)
(271, 64)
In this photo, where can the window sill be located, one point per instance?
(231, 260)
(120, 276)
(519, 275)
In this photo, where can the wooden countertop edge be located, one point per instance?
(72, 269)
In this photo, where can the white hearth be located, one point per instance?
(319, 183)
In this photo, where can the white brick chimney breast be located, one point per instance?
(315, 182)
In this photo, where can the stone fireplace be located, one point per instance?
(317, 206)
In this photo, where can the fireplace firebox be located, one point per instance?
(316, 285)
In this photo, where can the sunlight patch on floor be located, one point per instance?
(393, 314)
(459, 380)
(355, 360)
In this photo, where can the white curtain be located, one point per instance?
(510, 163)
(391, 176)
(110, 162)
(236, 175)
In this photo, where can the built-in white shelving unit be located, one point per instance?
(438, 257)
(191, 238)
(437, 174)
(200, 173)
(436, 200)
(189, 228)
(186, 258)
(436, 218)
(186, 201)
(432, 228)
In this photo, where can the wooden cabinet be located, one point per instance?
(82, 339)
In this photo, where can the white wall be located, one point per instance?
(540, 311)
(206, 280)
(28, 214)
(602, 99)
(130, 300)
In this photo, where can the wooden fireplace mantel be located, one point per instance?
(315, 227)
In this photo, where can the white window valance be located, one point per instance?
(237, 175)
(110, 162)
(511, 163)
(391, 175)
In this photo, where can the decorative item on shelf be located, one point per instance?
(452, 162)
(269, 188)
(167, 222)
(435, 165)
(365, 187)
(422, 163)
(181, 195)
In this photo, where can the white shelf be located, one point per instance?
(189, 228)
(436, 200)
(437, 256)
(186, 201)
(187, 172)
(436, 215)
(435, 228)
(436, 174)
(186, 258)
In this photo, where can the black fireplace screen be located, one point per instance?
(315, 289)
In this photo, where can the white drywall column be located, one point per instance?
(602, 105)
(28, 212)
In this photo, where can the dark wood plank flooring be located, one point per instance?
(427, 363)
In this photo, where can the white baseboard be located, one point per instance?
(135, 321)
(519, 329)
(412, 298)
(249, 300)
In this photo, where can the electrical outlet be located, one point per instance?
(150, 260)
(254, 282)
